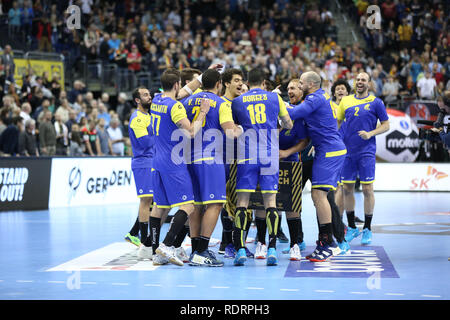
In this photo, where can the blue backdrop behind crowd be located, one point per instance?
(125, 43)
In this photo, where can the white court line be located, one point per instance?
(120, 284)
(88, 282)
(325, 291)
(394, 294)
(56, 281)
(357, 292)
(152, 285)
(218, 287)
(288, 289)
(186, 286)
(24, 281)
(430, 296)
(254, 288)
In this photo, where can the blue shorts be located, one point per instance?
(326, 171)
(172, 189)
(208, 183)
(359, 165)
(143, 182)
(249, 175)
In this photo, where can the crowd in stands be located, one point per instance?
(407, 56)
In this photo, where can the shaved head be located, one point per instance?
(309, 82)
(311, 77)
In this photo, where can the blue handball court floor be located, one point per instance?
(78, 253)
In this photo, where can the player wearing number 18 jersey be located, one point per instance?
(257, 159)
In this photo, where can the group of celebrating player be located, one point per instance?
(339, 130)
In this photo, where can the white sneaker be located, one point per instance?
(295, 254)
(159, 260)
(261, 251)
(145, 252)
(169, 253)
(181, 254)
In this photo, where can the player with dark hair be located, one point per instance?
(171, 180)
(206, 166)
(232, 84)
(360, 113)
(257, 161)
(141, 138)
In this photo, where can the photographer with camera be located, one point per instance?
(442, 124)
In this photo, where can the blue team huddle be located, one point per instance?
(185, 138)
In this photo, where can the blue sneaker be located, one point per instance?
(366, 237)
(344, 246)
(241, 257)
(351, 234)
(324, 251)
(302, 245)
(230, 252)
(272, 257)
(249, 253)
(205, 258)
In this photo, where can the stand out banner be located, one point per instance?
(24, 183)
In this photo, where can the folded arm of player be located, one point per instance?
(302, 144)
(188, 89)
(383, 127)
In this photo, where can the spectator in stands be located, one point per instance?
(123, 106)
(78, 88)
(105, 100)
(72, 120)
(14, 22)
(103, 113)
(40, 111)
(91, 140)
(103, 138)
(27, 16)
(47, 135)
(134, 59)
(427, 87)
(9, 140)
(113, 44)
(116, 138)
(7, 60)
(28, 141)
(391, 89)
(62, 136)
(76, 143)
(409, 90)
(25, 112)
(44, 35)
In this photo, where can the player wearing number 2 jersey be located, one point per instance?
(360, 113)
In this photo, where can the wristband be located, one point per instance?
(239, 126)
(199, 78)
(188, 89)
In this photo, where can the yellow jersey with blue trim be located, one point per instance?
(219, 113)
(360, 114)
(141, 138)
